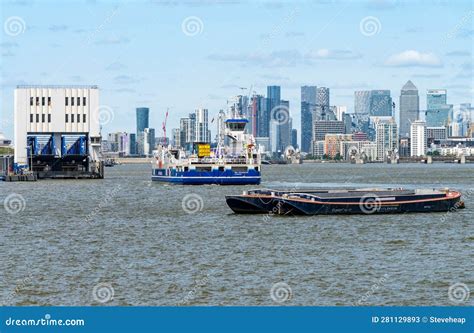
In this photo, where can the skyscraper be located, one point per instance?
(202, 126)
(418, 138)
(263, 118)
(409, 108)
(438, 115)
(380, 103)
(255, 108)
(435, 98)
(322, 103)
(386, 138)
(273, 99)
(142, 119)
(294, 138)
(308, 103)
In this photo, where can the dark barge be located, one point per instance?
(344, 201)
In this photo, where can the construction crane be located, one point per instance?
(164, 126)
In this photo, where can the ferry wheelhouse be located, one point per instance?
(237, 163)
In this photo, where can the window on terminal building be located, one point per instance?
(83, 118)
(43, 118)
(72, 101)
(67, 118)
(31, 118)
(31, 101)
(72, 118)
(37, 118)
(37, 101)
(43, 101)
(83, 101)
(78, 101)
(49, 117)
(49, 101)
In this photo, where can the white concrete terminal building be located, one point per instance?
(59, 114)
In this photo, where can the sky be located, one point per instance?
(181, 55)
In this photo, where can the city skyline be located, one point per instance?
(303, 44)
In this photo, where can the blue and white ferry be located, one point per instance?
(237, 163)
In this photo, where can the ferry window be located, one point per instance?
(84, 117)
(31, 118)
(37, 118)
(67, 100)
(221, 168)
(42, 118)
(43, 101)
(37, 101)
(78, 101)
(256, 168)
(83, 101)
(49, 117)
(186, 168)
(67, 118)
(72, 101)
(49, 101)
(72, 118)
(31, 101)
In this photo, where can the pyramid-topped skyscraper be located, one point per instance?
(409, 108)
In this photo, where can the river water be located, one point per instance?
(125, 240)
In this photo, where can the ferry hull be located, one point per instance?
(264, 204)
(233, 180)
(227, 177)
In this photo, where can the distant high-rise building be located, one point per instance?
(280, 127)
(273, 99)
(308, 104)
(418, 138)
(294, 138)
(263, 118)
(435, 98)
(323, 127)
(143, 115)
(202, 126)
(370, 103)
(380, 103)
(147, 141)
(133, 143)
(386, 134)
(322, 103)
(341, 110)
(256, 109)
(438, 115)
(220, 126)
(175, 137)
(409, 108)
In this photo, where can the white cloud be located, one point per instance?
(412, 58)
(332, 54)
